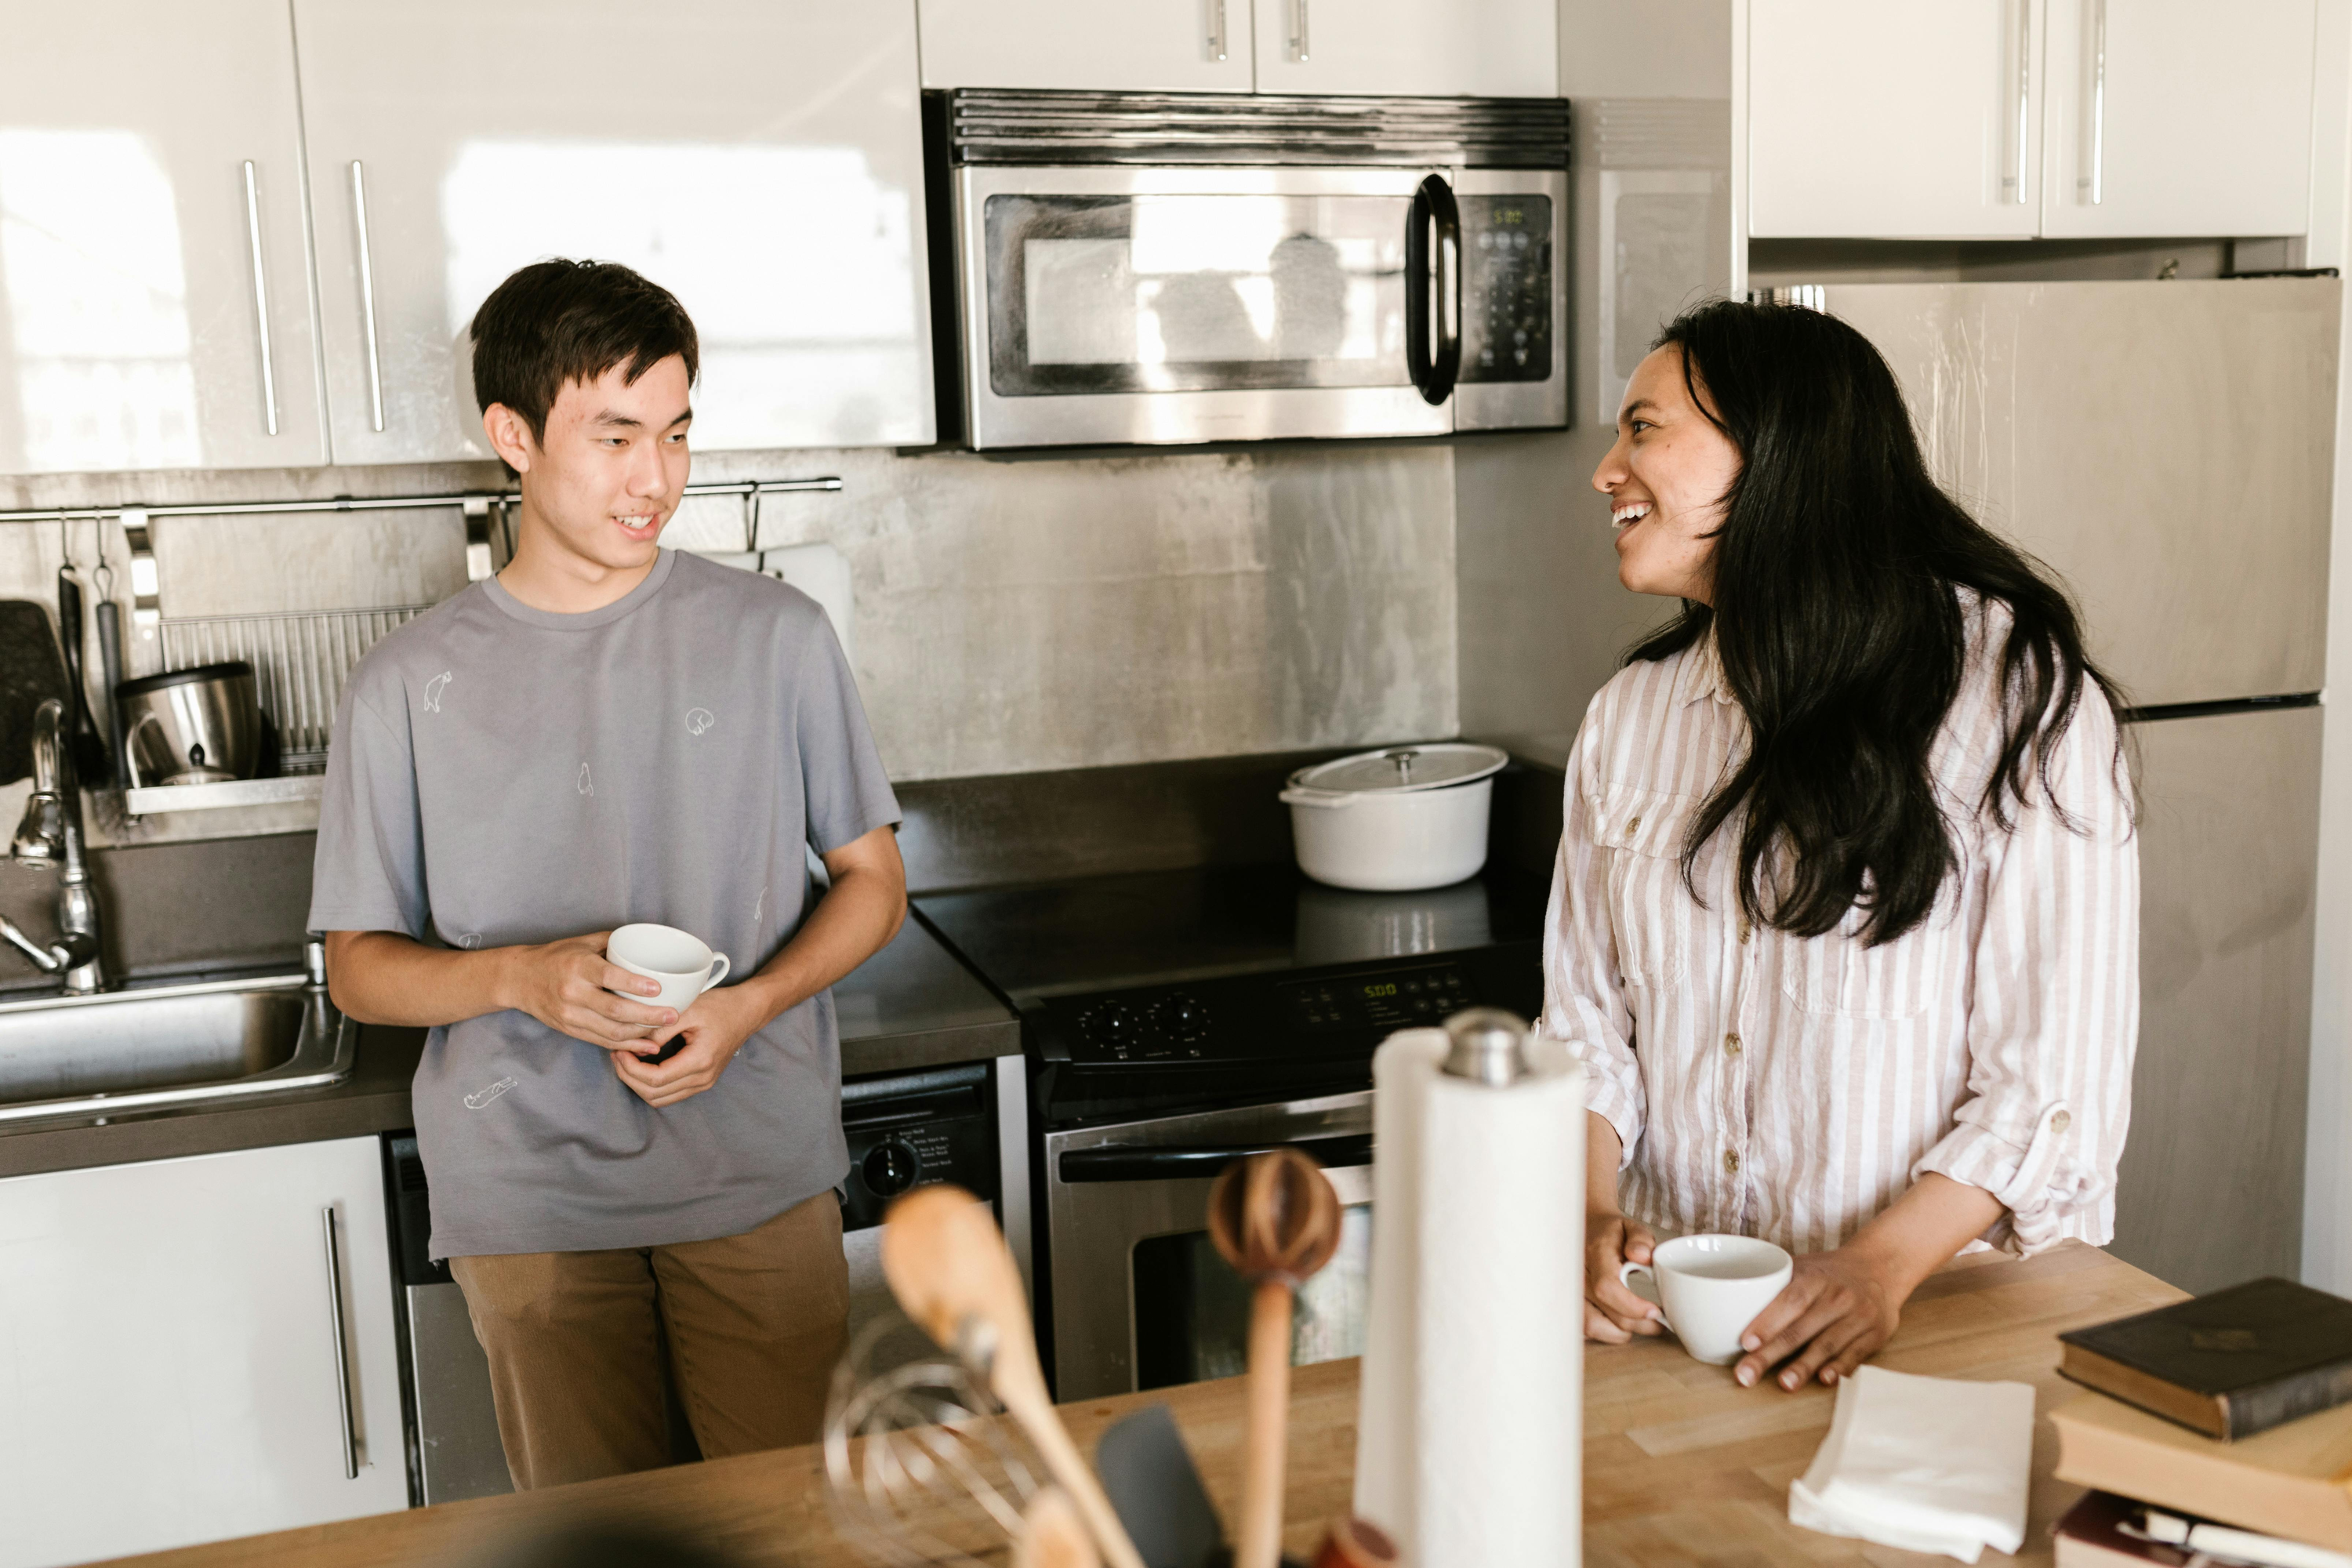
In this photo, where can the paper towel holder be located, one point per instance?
(1489, 1046)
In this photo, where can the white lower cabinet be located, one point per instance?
(176, 1362)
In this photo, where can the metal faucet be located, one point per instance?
(51, 835)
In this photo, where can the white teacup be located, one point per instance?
(1710, 1289)
(683, 965)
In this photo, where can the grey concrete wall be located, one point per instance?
(1008, 615)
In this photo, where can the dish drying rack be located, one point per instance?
(300, 659)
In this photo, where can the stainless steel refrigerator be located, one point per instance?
(2168, 447)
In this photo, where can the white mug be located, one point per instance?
(1710, 1289)
(685, 966)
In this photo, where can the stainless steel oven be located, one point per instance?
(1166, 268)
(1140, 1298)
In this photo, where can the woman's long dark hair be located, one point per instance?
(1840, 631)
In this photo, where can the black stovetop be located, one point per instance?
(1112, 933)
(1153, 991)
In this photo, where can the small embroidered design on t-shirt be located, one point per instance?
(698, 719)
(433, 691)
(475, 1102)
(587, 787)
(470, 939)
(761, 909)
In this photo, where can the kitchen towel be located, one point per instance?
(1469, 1447)
(1927, 1464)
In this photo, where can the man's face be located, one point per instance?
(612, 465)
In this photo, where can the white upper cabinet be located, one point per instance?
(2178, 117)
(1489, 49)
(1895, 119)
(1135, 45)
(762, 159)
(155, 286)
(196, 1349)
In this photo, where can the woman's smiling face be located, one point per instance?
(1667, 478)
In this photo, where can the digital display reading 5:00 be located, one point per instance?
(1388, 990)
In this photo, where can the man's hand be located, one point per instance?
(714, 1029)
(1612, 1314)
(569, 985)
(1837, 1309)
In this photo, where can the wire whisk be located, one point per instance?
(920, 1463)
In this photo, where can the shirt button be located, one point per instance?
(2060, 1123)
(1633, 826)
(1730, 1159)
(1731, 1044)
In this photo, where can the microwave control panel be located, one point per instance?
(1507, 288)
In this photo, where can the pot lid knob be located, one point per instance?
(1489, 1046)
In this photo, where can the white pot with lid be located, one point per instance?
(1395, 819)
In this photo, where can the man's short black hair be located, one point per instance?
(560, 320)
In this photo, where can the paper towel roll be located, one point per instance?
(1469, 1435)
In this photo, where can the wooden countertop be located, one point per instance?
(1681, 1465)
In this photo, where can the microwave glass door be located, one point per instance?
(1187, 292)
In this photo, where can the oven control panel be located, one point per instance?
(1265, 1018)
(1507, 288)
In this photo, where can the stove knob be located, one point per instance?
(1112, 1026)
(1182, 1017)
(891, 1168)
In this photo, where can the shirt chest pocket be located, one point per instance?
(1838, 976)
(1650, 906)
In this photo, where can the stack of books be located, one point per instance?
(2222, 1425)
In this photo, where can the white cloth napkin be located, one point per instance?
(1927, 1464)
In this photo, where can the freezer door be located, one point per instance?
(2211, 1187)
(2167, 447)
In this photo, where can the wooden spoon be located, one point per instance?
(949, 1268)
(1276, 1219)
(1053, 1536)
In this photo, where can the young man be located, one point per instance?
(609, 732)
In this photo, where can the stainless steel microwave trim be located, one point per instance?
(1002, 126)
(1164, 418)
(1092, 1225)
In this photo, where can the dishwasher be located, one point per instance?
(904, 1130)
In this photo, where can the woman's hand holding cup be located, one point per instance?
(1613, 1313)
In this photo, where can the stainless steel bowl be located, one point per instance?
(192, 726)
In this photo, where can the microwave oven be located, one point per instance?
(1116, 269)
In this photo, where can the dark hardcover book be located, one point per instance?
(2237, 1362)
(2101, 1532)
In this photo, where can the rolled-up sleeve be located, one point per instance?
(1584, 1002)
(2054, 1013)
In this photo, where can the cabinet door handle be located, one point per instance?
(1217, 30)
(342, 1367)
(1299, 31)
(260, 300)
(367, 298)
(2091, 185)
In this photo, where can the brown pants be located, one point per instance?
(754, 1323)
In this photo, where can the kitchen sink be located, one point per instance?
(155, 1048)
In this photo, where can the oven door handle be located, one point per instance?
(1180, 1162)
(1433, 286)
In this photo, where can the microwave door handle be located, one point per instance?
(1432, 314)
(1178, 1163)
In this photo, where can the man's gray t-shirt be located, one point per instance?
(502, 775)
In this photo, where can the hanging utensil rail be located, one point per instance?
(476, 499)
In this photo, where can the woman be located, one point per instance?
(1846, 925)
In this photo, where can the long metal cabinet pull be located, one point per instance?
(2096, 155)
(1299, 31)
(260, 300)
(1216, 30)
(367, 298)
(342, 1369)
(2024, 89)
